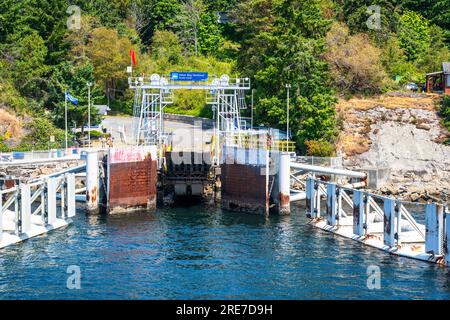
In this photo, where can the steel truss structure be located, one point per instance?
(225, 95)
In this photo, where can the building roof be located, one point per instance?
(434, 73)
(446, 67)
(102, 109)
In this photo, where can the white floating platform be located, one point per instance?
(8, 237)
(411, 246)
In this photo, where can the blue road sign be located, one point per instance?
(189, 76)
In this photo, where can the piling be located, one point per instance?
(92, 182)
(310, 198)
(25, 207)
(358, 213)
(51, 200)
(389, 210)
(284, 185)
(70, 195)
(434, 222)
(447, 238)
(331, 205)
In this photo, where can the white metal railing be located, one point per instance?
(363, 211)
(27, 205)
(165, 82)
(334, 162)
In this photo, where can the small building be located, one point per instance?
(102, 109)
(439, 81)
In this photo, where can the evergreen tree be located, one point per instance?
(282, 44)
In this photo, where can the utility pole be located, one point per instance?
(89, 84)
(108, 98)
(288, 86)
(253, 90)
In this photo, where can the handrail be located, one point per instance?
(374, 206)
(331, 171)
(411, 220)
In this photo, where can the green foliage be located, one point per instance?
(95, 135)
(9, 95)
(354, 62)
(38, 138)
(161, 15)
(436, 53)
(414, 34)
(320, 148)
(281, 44)
(46, 18)
(438, 11)
(444, 111)
(166, 47)
(356, 14)
(74, 78)
(109, 12)
(210, 34)
(3, 146)
(274, 42)
(25, 62)
(109, 54)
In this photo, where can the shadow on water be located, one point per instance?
(203, 252)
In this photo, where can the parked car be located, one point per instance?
(412, 86)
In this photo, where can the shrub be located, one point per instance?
(96, 134)
(3, 146)
(40, 130)
(444, 111)
(354, 62)
(320, 148)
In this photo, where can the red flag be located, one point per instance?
(133, 57)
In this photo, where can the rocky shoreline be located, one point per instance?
(403, 134)
(417, 189)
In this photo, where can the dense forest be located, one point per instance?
(322, 48)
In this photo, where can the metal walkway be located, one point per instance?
(31, 209)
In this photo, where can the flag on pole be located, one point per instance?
(71, 98)
(133, 57)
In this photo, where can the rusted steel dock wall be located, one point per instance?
(244, 188)
(132, 178)
(247, 180)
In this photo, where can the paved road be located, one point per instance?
(186, 137)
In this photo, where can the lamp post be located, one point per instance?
(65, 119)
(253, 91)
(89, 85)
(288, 86)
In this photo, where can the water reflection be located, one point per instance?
(206, 253)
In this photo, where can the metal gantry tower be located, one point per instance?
(227, 102)
(149, 109)
(225, 95)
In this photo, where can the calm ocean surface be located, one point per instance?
(206, 253)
